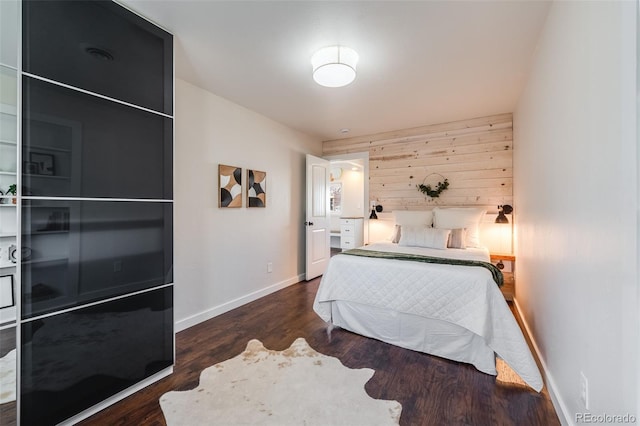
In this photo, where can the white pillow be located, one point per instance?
(461, 217)
(413, 218)
(413, 236)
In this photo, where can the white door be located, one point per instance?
(318, 221)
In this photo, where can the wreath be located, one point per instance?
(431, 192)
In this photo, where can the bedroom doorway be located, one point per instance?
(348, 199)
(349, 191)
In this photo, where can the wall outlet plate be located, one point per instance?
(584, 390)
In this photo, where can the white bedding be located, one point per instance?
(464, 296)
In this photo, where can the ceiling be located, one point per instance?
(421, 62)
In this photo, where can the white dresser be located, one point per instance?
(351, 232)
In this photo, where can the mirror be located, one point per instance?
(8, 208)
(335, 198)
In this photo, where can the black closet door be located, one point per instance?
(101, 47)
(96, 206)
(79, 145)
(74, 360)
(76, 252)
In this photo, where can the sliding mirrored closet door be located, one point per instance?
(95, 292)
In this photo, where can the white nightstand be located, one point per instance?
(351, 232)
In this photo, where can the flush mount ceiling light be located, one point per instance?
(334, 66)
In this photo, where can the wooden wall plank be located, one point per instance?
(433, 129)
(481, 161)
(502, 136)
(475, 156)
(458, 175)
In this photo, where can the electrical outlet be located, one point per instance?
(269, 267)
(117, 266)
(584, 390)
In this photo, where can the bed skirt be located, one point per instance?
(432, 336)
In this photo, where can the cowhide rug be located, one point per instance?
(8, 377)
(297, 386)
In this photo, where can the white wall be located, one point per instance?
(221, 255)
(352, 196)
(352, 190)
(352, 199)
(575, 189)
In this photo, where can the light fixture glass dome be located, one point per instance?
(334, 66)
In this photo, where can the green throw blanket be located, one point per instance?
(495, 272)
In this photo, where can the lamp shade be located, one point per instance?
(501, 218)
(334, 66)
(502, 210)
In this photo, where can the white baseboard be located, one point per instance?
(192, 320)
(564, 415)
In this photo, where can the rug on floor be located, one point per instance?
(8, 377)
(507, 375)
(296, 386)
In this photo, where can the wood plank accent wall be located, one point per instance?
(474, 155)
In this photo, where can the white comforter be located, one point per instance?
(462, 295)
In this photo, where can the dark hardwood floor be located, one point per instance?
(432, 390)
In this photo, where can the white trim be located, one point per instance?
(173, 184)
(205, 315)
(558, 403)
(2, 64)
(18, 273)
(88, 92)
(135, 12)
(98, 302)
(637, 169)
(9, 324)
(119, 396)
(145, 200)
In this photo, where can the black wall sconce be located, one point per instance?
(502, 210)
(375, 209)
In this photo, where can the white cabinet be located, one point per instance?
(351, 232)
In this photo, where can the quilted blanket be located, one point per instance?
(462, 295)
(495, 272)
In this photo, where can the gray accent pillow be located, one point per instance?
(457, 239)
(395, 237)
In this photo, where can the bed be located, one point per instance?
(455, 311)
